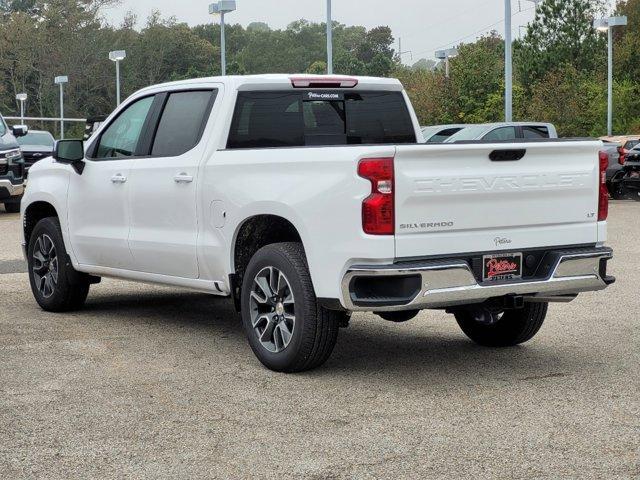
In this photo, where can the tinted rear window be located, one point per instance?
(535, 132)
(296, 119)
(182, 122)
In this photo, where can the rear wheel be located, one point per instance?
(502, 329)
(13, 207)
(287, 330)
(56, 286)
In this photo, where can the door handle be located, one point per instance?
(183, 178)
(118, 178)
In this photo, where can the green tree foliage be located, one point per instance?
(561, 33)
(560, 64)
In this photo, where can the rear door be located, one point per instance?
(454, 199)
(164, 217)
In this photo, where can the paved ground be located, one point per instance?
(150, 382)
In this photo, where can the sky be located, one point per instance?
(423, 25)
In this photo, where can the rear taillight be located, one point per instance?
(603, 197)
(323, 82)
(622, 155)
(378, 209)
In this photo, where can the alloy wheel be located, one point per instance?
(272, 309)
(45, 265)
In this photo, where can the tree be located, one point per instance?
(562, 33)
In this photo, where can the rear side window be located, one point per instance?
(296, 119)
(535, 132)
(182, 123)
(442, 135)
(503, 133)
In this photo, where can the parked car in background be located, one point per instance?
(626, 182)
(305, 198)
(439, 133)
(35, 145)
(11, 166)
(624, 143)
(491, 132)
(614, 170)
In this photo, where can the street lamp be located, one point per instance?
(446, 55)
(117, 56)
(329, 39)
(21, 97)
(606, 25)
(61, 80)
(222, 7)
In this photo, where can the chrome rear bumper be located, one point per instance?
(448, 283)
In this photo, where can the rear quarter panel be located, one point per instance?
(316, 189)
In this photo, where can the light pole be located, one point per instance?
(329, 39)
(61, 80)
(222, 7)
(117, 56)
(508, 64)
(21, 97)
(446, 55)
(606, 25)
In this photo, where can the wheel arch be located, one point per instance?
(35, 212)
(252, 234)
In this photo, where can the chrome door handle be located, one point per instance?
(118, 178)
(183, 178)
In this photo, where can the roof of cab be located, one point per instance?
(281, 81)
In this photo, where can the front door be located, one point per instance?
(98, 200)
(164, 217)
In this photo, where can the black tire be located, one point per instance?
(513, 328)
(13, 207)
(71, 288)
(315, 330)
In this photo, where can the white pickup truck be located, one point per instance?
(307, 198)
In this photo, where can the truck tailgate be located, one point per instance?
(454, 199)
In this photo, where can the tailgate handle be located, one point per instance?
(507, 155)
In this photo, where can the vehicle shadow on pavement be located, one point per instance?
(170, 308)
(422, 348)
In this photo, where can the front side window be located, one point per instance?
(120, 139)
(3, 127)
(182, 122)
(503, 133)
(295, 119)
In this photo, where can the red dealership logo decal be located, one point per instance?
(498, 267)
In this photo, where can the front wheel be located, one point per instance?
(287, 330)
(502, 329)
(56, 286)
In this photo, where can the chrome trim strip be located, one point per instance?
(453, 283)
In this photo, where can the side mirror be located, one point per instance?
(19, 130)
(70, 152)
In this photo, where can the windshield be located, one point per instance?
(37, 138)
(468, 133)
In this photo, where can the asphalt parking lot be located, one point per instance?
(157, 383)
